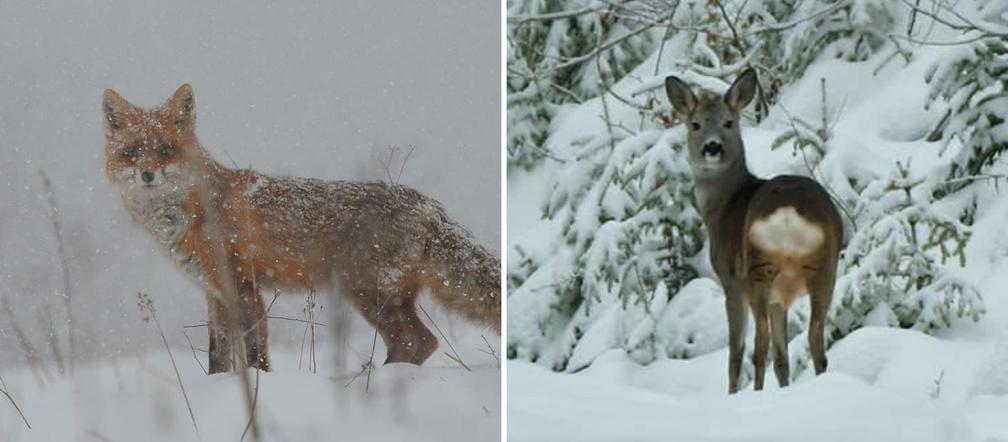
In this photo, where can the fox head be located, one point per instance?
(151, 152)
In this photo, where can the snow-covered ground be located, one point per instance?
(319, 89)
(883, 384)
(138, 398)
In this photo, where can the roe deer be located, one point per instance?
(770, 240)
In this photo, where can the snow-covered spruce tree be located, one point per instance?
(972, 81)
(548, 42)
(898, 268)
(625, 237)
(628, 233)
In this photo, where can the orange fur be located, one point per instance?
(379, 244)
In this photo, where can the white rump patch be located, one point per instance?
(786, 232)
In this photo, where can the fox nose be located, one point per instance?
(147, 176)
(712, 148)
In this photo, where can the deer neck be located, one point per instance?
(715, 192)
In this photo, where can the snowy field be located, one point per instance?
(882, 384)
(137, 397)
(319, 90)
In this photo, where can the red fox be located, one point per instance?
(379, 244)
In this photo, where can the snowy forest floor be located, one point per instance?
(137, 397)
(882, 383)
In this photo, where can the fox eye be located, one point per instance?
(166, 149)
(130, 154)
(728, 124)
(695, 126)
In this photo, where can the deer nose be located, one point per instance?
(147, 176)
(712, 148)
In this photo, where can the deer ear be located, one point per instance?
(114, 108)
(742, 90)
(182, 107)
(680, 95)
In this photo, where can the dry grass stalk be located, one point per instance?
(490, 351)
(38, 369)
(454, 354)
(53, 338)
(147, 305)
(64, 267)
(309, 333)
(255, 401)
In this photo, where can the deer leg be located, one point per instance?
(252, 314)
(759, 310)
(735, 307)
(817, 324)
(778, 335)
(220, 347)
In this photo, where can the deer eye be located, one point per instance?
(728, 124)
(166, 149)
(695, 126)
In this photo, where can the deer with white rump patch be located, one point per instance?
(771, 241)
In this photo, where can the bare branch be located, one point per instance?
(522, 19)
(3, 389)
(193, 348)
(599, 49)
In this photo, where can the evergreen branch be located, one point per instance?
(550, 16)
(599, 49)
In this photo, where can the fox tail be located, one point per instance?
(467, 274)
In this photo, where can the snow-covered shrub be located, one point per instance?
(898, 269)
(551, 56)
(972, 81)
(629, 232)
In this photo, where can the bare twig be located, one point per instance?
(255, 401)
(490, 351)
(913, 18)
(552, 15)
(405, 160)
(11, 399)
(782, 26)
(146, 304)
(964, 25)
(456, 357)
(282, 318)
(824, 130)
(193, 348)
(600, 48)
(936, 393)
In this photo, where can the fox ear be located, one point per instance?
(114, 108)
(182, 107)
(680, 95)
